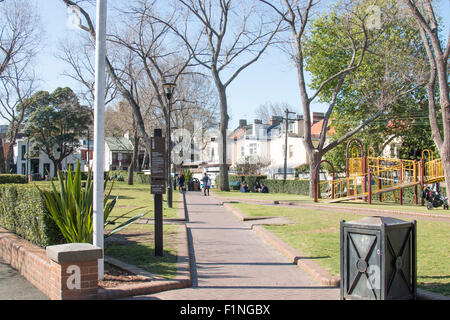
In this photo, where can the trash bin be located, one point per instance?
(378, 259)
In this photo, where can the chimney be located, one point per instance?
(242, 123)
(317, 117)
(275, 119)
(300, 125)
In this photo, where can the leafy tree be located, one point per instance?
(56, 121)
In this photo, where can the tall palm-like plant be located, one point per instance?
(71, 207)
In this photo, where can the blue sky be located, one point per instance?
(271, 79)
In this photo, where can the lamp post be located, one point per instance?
(169, 88)
(27, 132)
(286, 142)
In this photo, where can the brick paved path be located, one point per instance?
(232, 262)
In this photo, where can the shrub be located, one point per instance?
(71, 207)
(122, 175)
(289, 186)
(13, 178)
(22, 211)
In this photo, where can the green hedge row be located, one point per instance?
(288, 186)
(13, 178)
(138, 177)
(23, 211)
(275, 186)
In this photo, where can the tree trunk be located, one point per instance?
(223, 177)
(224, 185)
(2, 158)
(133, 159)
(446, 165)
(314, 159)
(56, 165)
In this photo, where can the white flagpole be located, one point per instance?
(99, 130)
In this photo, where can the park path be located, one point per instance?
(231, 262)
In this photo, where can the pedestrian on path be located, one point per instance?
(181, 182)
(206, 184)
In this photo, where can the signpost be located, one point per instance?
(158, 186)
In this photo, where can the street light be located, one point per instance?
(27, 133)
(286, 141)
(169, 88)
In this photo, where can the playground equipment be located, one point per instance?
(367, 176)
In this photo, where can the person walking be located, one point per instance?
(206, 184)
(181, 182)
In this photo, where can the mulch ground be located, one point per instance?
(115, 276)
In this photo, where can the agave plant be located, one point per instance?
(72, 207)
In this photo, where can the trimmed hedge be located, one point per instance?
(288, 186)
(275, 186)
(138, 177)
(23, 211)
(13, 178)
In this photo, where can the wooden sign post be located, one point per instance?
(158, 186)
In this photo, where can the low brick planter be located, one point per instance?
(61, 272)
(74, 271)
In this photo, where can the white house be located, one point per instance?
(39, 164)
(118, 153)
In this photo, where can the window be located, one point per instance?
(291, 151)
(252, 148)
(291, 128)
(242, 151)
(24, 151)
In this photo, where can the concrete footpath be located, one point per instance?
(15, 287)
(231, 262)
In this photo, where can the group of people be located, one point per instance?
(181, 180)
(259, 187)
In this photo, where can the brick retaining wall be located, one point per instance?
(30, 260)
(70, 273)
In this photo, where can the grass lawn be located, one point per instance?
(135, 244)
(138, 198)
(317, 235)
(236, 194)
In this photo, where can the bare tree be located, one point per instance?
(425, 14)
(15, 89)
(226, 38)
(19, 34)
(19, 40)
(265, 111)
(80, 59)
(145, 39)
(125, 92)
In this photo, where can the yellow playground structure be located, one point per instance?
(368, 176)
